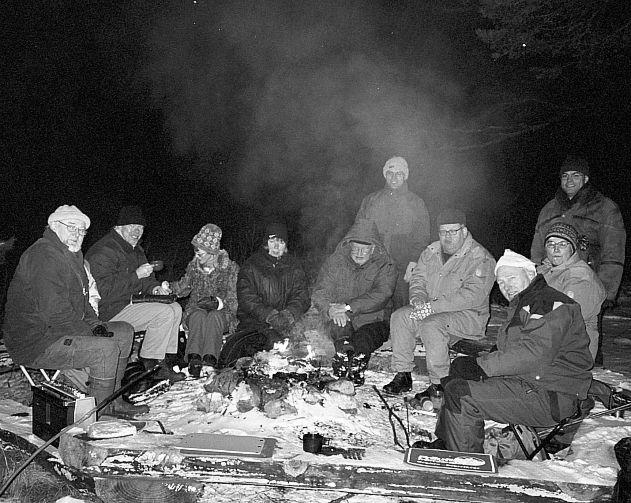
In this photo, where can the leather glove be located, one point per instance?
(607, 304)
(466, 367)
(273, 318)
(101, 331)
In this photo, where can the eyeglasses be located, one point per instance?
(74, 229)
(560, 245)
(450, 232)
(395, 174)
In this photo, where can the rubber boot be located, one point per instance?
(120, 407)
(100, 390)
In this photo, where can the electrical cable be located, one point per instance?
(93, 410)
(391, 415)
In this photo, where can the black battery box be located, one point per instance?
(56, 406)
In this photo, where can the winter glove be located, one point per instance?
(421, 311)
(273, 319)
(466, 367)
(209, 303)
(101, 331)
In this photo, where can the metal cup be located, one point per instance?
(312, 442)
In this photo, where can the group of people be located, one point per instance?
(384, 281)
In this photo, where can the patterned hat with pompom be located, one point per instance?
(208, 238)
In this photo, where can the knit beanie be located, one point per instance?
(574, 163)
(451, 216)
(512, 259)
(276, 230)
(131, 215)
(396, 164)
(563, 231)
(208, 239)
(66, 212)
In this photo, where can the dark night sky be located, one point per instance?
(235, 111)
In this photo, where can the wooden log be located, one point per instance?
(180, 478)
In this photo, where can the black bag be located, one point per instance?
(244, 343)
(139, 298)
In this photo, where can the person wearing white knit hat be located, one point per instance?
(402, 223)
(536, 375)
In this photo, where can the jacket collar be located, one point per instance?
(50, 236)
(585, 194)
(436, 249)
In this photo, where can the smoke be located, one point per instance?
(308, 98)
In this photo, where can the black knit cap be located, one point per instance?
(451, 216)
(131, 215)
(276, 230)
(574, 163)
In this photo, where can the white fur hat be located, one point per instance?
(66, 212)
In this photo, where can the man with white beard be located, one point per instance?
(120, 267)
(49, 321)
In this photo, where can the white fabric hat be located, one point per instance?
(396, 164)
(512, 259)
(66, 212)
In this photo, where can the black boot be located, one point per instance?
(210, 361)
(165, 372)
(435, 393)
(402, 382)
(194, 364)
(439, 444)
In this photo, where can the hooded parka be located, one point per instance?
(366, 288)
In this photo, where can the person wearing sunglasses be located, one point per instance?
(49, 321)
(449, 301)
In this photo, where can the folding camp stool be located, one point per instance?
(44, 372)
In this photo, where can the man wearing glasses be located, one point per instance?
(49, 321)
(599, 224)
(449, 291)
(120, 267)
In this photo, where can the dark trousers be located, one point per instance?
(503, 399)
(365, 339)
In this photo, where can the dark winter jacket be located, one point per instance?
(48, 299)
(113, 263)
(266, 283)
(598, 221)
(543, 341)
(220, 282)
(402, 222)
(463, 283)
(366, 288)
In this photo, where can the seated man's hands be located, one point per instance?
(144, 271)
(101, 331)
(466, 367)
(337, 313)
(421, 310)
